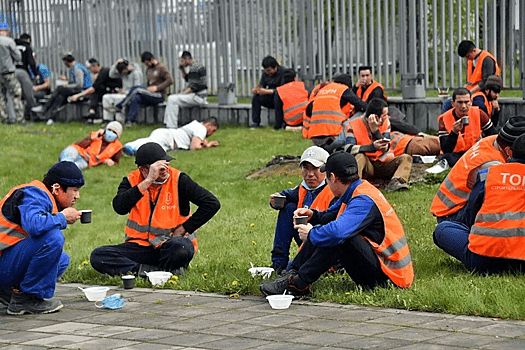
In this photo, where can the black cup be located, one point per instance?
(279, 201)
(85, 217)
(300, 220)
(128, 281)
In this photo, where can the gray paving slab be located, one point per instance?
(167, 319)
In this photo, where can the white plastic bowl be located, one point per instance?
(95, 293)
(428, 159)
(158, 278)
(280, 301)
(265, 272)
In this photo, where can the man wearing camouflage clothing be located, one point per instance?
(9, 85)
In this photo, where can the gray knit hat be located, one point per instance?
(513, 128)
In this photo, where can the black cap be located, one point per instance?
(518, 148)
(344, 79)
(151, 152)
(342, 164)
(66, 174)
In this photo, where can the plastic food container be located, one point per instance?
(95, 293)
(158, 278)
(280, 301)
(265, 272)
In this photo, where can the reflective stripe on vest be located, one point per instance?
(392, 252)
(362, 136)
(475, 75)
(295, 99)
(92, 154)
(10, 232)
(399, 142)
(453, 193)
(470, 134)
(146, 228)
(499, 227)
(327, 118)
(321, 201)
(486, 102)
(366, 94)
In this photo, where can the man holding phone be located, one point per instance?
(368, 139)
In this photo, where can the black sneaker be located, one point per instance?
(24, 303)
(289, 282)
(5, 295)
(143, 268)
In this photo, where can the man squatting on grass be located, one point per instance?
(160, 230)
(361, 231)
(31, 240)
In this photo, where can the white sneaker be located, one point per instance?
(440, 167)
(50, 122)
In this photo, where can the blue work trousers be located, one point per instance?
(33, 265)
(284, 233)
(452, 237)
(138, 96)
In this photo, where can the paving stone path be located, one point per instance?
(166, 319)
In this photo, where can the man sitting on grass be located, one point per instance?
(313, 192)
(160, 231)
(489, 238)
(361, 231)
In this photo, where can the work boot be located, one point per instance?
(289, 283)
(143, 268)
(5, 295)
(24, 303)
(396, 184)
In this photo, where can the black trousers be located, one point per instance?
(259, 101)
(355, 254)
(59, 98)
(126, 257)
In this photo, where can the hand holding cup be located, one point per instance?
(277, 200)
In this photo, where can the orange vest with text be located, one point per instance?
(92, 154)
(321, 202)
(470, 133)
(499, 228)
(362, 136)
(327, 117)
(474, 76)
(454, 192)
(148, 228)
(10, 232)
(393, 252)
(295, 99)
(488, 105)
(363, 95)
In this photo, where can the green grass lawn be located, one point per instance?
(242, 232)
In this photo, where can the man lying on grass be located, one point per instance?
(361, 231)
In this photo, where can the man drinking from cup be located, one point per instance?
(311, 193)
(459, 129)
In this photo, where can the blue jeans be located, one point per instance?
(34, 264)
(452, 237)
(284, 233)
(127, 257)
(71, 154)
(137, 96)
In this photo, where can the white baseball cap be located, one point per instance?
(314, 155)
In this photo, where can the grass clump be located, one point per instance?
(242, 232)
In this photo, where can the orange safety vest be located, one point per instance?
(474, 76)
(399, 142)
(327, 117)
(152, 229)
(470, 134)
(454, 192)
(10, 232)
(362, 136)
(321, 202)
(486, 102)
(295, 99)
(364, 94)
(92, 154)
(393, 252)
(499, 228)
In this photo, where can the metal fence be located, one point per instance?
(318, 38)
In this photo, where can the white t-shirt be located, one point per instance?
(182, 136)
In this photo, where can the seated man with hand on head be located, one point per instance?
(489, 238)
(486, 99)
(100, 147)
(454, 192)
(313, 193)
(189, 137)
(160, 230)
(361, 231)
(459, 129)
(368, 138)
(31, 240)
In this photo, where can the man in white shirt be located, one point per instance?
(191, 136)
